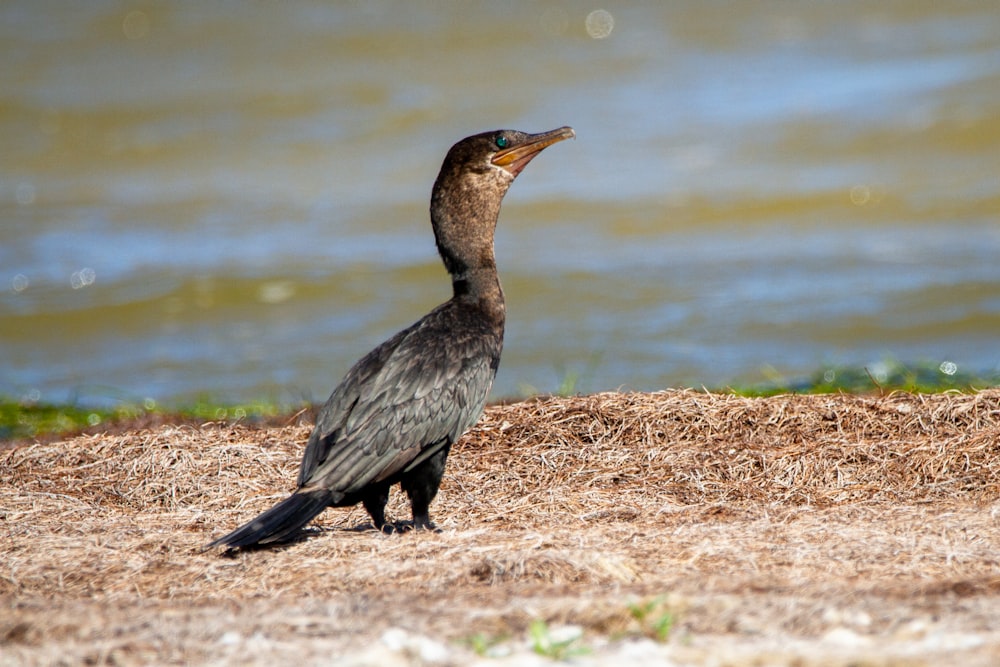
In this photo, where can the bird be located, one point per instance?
(396, 413)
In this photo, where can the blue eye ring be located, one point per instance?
(502, 142)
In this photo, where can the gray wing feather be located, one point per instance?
(415, 393)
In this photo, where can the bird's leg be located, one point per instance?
(421, 485)
(374, 500)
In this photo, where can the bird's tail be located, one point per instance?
(279, 522)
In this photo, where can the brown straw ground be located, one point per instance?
(807, 530)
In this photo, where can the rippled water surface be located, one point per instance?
(231, 198)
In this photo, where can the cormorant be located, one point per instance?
(396, 413)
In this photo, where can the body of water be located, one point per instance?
(231, 198)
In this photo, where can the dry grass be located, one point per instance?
(790, 529)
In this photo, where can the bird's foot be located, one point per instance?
(418, 524)
(401, 527)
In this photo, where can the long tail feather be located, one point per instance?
(279, 522)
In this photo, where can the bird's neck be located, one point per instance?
(464, 211)
(480, 286)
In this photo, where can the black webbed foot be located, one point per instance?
(420, 523)
(388, 529)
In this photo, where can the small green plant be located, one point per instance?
(556, 648)
(654, 619)
(482, 644)
(568, 384)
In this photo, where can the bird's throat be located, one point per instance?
(481, 287)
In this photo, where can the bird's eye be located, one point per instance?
(502, 142)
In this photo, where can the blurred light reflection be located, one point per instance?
(85, 277)
(599, 23)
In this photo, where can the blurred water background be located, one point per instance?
(230, 199)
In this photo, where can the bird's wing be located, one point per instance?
(420, 390)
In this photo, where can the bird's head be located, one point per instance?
(473, 180)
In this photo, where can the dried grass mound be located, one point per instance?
(687, 447)
(781, 517)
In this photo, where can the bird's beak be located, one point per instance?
(516, 158)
